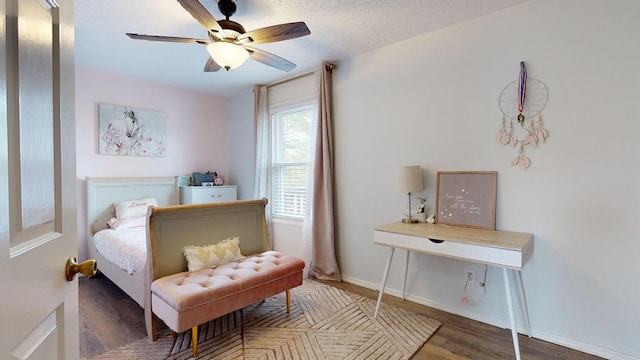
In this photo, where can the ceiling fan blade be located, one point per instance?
(275, 33)
(200, 13)
(270, 59)
(168, 39)
(211, 66)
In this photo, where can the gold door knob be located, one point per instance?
(87, 268)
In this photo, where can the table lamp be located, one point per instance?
(410, 181)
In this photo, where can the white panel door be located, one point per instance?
(38, 306)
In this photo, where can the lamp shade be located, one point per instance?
(227, 54)
(410, 179)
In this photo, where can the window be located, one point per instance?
(290, 159)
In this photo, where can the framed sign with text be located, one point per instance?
(466, 198)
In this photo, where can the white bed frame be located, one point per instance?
(101, 194)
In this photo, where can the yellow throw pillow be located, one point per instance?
(202, 257)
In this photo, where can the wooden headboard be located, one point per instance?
(171, 228)
(103, 192)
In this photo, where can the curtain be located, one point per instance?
(262, 181)
(318, 225)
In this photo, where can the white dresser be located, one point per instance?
(208, 194)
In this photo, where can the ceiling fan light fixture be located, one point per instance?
(227, 38)
(227, 54)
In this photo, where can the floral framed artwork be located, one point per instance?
(466, 198)
(125, 130)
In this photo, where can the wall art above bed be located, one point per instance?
(125, 130)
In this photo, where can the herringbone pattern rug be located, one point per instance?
(324, 323)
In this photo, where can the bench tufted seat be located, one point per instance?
(187, 299)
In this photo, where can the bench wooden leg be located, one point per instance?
(288, 301)
(194, 340)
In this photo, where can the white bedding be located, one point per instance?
(126, 248)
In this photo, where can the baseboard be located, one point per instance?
(572, 344)
(580, 346)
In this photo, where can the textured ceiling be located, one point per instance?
(339, 29)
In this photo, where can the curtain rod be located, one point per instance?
(329, 66)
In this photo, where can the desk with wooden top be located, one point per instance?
(505, 249)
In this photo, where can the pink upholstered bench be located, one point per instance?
(187, 299)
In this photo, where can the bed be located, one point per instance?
(102, 193)
(200, 261)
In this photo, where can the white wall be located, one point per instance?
(437, 107)
(432, 101)
(241, 130)
(196, 133)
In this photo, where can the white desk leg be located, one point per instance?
(512, 314)
(384, 281)
(406, 270)
(523, 301)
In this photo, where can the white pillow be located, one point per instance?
(116, 223)
(202, 257)
(133, 208)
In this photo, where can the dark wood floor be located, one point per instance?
(110, 319)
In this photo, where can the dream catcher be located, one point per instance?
(522, 102)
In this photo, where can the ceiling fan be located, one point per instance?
(228, 42)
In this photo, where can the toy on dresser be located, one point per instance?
(217, 179)
(210, 178)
